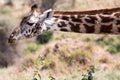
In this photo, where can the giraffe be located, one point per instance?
(36, 23)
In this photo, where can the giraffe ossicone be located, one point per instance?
(36, 23)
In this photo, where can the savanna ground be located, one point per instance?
(64, 56)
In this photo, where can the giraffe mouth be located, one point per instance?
(11, 40)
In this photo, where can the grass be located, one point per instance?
(114, 75)
(66, 61)
(117, 66)
(32, 47)
(83, 53)
(110, 42)
(6, 11)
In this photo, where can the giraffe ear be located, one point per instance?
(48, 13)
(34, 8)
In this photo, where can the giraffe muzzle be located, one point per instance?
(11, 40)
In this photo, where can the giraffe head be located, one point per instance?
(30, 25)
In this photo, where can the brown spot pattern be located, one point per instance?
(62, 24)
(89, 29)
(118, 22)
(119, 29)
(91, 19)
(106, 28)
(63, 30)
(81, 16)
(76, 19)
(75, 27)
(106, 19)
(117, 15)
(36, 29)
(65, 17)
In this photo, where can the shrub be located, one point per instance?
(44, 37)
(89, 74)
(114, 48)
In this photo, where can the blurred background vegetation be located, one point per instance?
(66, 56)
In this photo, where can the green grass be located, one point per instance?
(32, 47)
(6, 11)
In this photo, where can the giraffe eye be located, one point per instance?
(30, 24)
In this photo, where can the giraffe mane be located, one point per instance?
(104, 11)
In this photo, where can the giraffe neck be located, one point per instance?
(97, 23)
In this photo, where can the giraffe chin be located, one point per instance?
(11, 40)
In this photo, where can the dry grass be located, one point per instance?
(87, 4)
(63, 57)
(66, 59)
